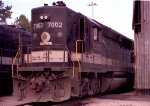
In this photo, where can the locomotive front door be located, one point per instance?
(81, 37)
(82, 29)
(84, 34)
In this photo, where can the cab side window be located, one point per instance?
(95, 33)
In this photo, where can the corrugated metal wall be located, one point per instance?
(141, 26)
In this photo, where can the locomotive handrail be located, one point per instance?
(78, 57)
(12, 66)
(19, 49)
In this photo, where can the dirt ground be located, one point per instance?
(122, 99)
(110, 102)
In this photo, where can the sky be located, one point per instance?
(116, 14)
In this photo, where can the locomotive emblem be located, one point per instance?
(45, 37)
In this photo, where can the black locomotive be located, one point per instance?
(72, 56)
(9, 40)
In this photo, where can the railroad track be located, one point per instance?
(120, 99)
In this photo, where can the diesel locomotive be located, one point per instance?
(9, 40)
(71, 55)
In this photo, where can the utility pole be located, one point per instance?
(92, 5)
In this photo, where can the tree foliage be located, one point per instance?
(23, 22)
(5, 12)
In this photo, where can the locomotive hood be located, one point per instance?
(49, 25)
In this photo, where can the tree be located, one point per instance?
(5, 12)
(23, 22)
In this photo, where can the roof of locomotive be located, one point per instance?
(64, 7)
(46, 6)
(112, 34)
(6, 28)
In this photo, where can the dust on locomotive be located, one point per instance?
(72, 56)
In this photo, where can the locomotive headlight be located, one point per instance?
(41, 17)
(44, 17)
